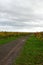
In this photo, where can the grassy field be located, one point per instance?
(32, 53)
(6, 37)
(9, 39)
(6, 40)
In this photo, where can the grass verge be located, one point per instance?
(8, 39)
(32, 53)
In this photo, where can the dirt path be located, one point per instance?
(10, 51)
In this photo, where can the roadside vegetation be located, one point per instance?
(39, 35)
(6, 37)
(32, 52)
(6, 40)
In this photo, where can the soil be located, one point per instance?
(9, 51)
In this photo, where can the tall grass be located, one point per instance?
(32, 53)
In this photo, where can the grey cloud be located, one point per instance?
(15, 12)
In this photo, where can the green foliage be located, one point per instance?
(10, 34)
(6, 40)
(39, 35)
(32, 53)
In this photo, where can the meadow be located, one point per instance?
(32, 52)
(6, 37)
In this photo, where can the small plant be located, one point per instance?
(39, 35)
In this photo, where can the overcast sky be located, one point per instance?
(21, 15)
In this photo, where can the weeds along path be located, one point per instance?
(8, 52)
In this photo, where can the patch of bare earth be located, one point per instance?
(9, 51)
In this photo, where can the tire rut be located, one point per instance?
(13, 52)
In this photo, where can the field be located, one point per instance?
(28, 46)
(6, 37)
(32, 52)
(10, 48)
(6, 40)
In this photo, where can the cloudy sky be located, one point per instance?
(21, 15)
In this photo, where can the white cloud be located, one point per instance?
(21, 15)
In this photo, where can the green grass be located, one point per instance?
(8, 39)
(32, 53)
